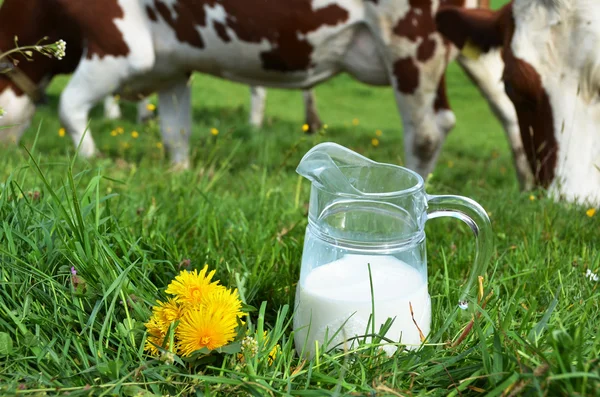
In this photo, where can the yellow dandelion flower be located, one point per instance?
(375, 142)
(591, 212)
(151, 107)
(450, 164)
(135, 134)
(192, 287)
(274, 351)
(120, 130)
(355, 122)
(167, 312)
(126, 145)
(532, 198)
(378, 133)
(224, 300)
(113, 133)
(205, 326)
(62, 132)
(305, 127)
(159, 145)
(325, 126)
(156, 335)
(214, 131)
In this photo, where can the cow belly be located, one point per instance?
(363, 59)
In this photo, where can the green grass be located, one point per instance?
(126, 223)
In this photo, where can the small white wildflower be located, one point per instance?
(38, 48)
(61, 49)
(250, 346)
(591, 275)
(464, 305)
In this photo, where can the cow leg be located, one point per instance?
(175, 121)
(312, 116)
(258, 97)
(486, 73)
(83, 91)
(112, 110)
(143, 113)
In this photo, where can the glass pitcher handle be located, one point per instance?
(473, 214)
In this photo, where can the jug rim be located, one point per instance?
(418, 186)
(332, 158)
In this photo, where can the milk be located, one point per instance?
(340, 292)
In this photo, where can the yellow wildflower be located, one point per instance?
(61, 132)
(305, 127)
(450, 164)
(591, 212)
(375, 142)
(113, 133)
(211, 326)
(135, 134)
(159, 145)
(120, 130)
(151, 107)
(156, 335)
(532, 198)
(192, 287)
(355, 122)
(274, 351)
(325, 126)
(378, 133)
(167, 312)
(214, 131)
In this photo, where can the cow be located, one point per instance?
(258, 98)
(137, 47)
(551, 51)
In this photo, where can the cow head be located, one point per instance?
(21, 85)
(551, 50)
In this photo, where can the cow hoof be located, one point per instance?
(314, 127)
(180, 166)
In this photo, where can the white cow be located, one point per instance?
(551, 49)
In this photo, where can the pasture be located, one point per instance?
(127, 225)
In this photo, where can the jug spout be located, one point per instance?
(323, 165)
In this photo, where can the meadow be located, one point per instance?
(127, 225)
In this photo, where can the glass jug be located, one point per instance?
(364, 248)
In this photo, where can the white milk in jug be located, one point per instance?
(340, 292)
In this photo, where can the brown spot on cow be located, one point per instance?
(426, 49)
(441, 98)
(455, 3)
(418, 21)
(407, 75)
(221, 31)
(97, 22)
(282, 25)
(184, 24)
(524, 87)
(151, 14)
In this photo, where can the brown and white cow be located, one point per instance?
(551, 50)
(136, 47)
